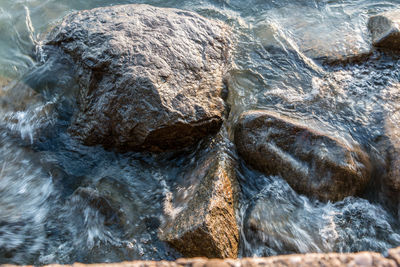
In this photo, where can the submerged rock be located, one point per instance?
(313, 162)
(4, 81)
(17, 96)
(150, 78)
(24, 112)
(107, 207)
(113, 200)
(385, 30)
(206, 226)
(332, 38)
(279, 221)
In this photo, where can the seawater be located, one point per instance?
(46, 177)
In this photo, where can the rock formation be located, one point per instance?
(324, 38)
(389, 151)
(313, 162)
(365, 259)
(150, 78)
(385, 30)
(207, 226)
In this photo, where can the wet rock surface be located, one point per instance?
(120, 199)
(206, 225)
(311, 161)
(385, 30)
(389, 152)
(150, 78)
(318, 36)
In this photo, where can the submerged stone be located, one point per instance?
(150, 78)
(385, 30)
(4, 81)
(206, 226)
(105, 206)
(271, 223)
(111, 198)
(313, 162)
(312, 34)
(17, 96)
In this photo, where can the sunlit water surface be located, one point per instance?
(48, 180)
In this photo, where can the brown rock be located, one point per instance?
(364, 259)
(150, 78)
(385, 30)
(207, 224)
(389, 150)
(312, 161)
(394, 254)
(329, 259)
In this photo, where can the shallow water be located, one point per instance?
(49, 183)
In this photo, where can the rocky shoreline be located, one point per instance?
(142, 90)
(153, 79)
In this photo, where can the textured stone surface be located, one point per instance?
(394, 254)
(311, 161)
(310, 260)
(207, 224)
(389, 150)
(150, 78)
(385, 30)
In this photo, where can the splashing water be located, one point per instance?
(63, 202)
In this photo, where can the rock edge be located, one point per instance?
(312, 259)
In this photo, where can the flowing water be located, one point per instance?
(63, 202)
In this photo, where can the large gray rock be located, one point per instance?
(150, 78)
(385, 30)
(313, 162)
(206, 224)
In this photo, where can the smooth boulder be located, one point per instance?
(150, 78)
(206, 224)
(385, 30)
(312, 161)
